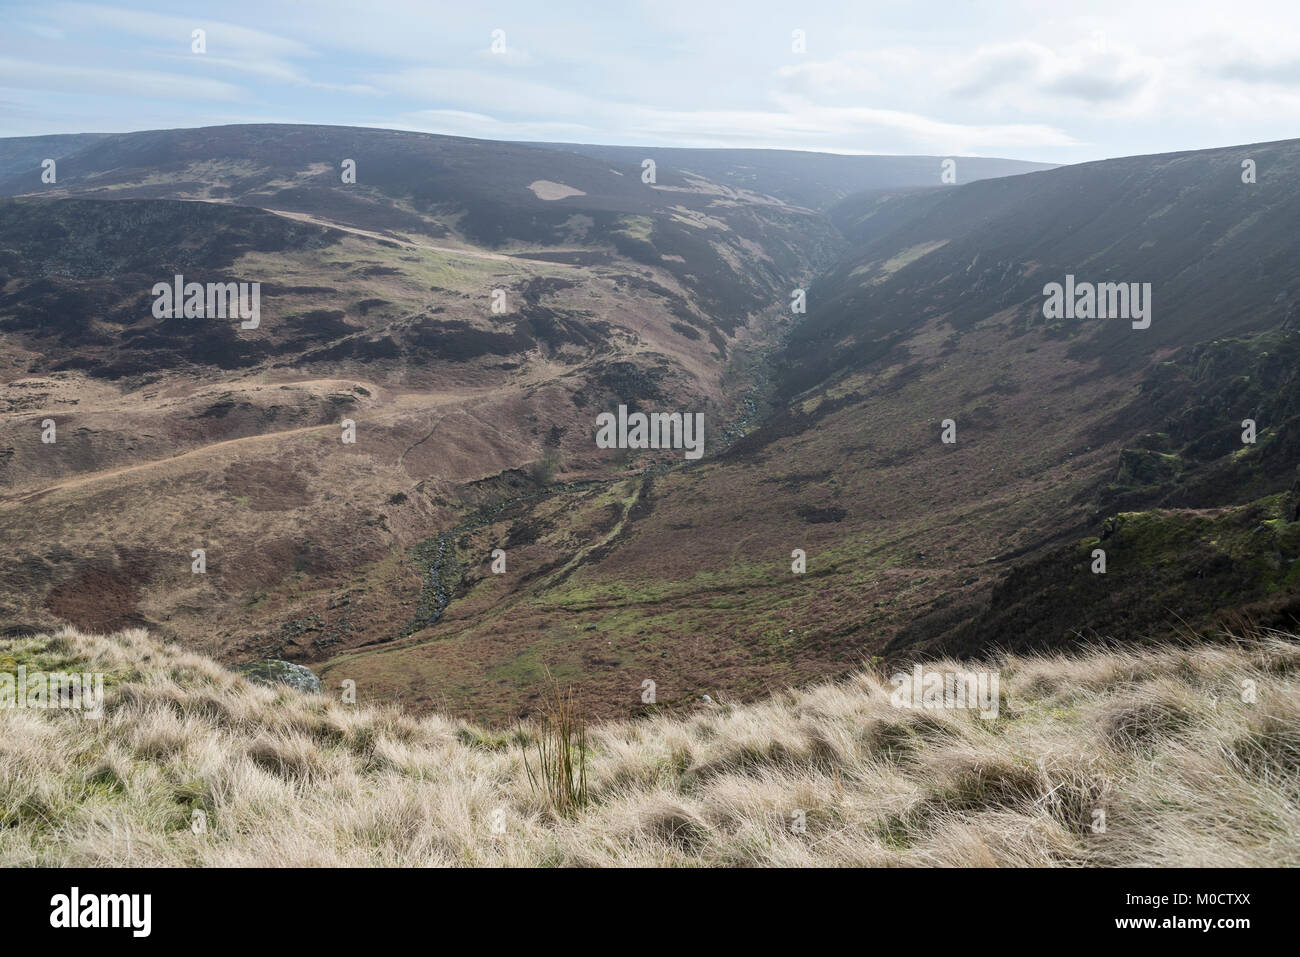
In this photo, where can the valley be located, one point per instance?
(477, 428)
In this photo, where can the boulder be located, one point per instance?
(273, 671)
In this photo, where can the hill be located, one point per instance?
(1157, 757)
(375, 561)
(1071, 436)
(377, 301)
(815, 180)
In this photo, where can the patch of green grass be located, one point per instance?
(535, 662)
(636, 227)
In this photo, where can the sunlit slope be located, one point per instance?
(1160, 757)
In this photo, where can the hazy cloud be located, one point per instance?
(27, 75)
(995, 78)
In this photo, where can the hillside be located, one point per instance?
(1185, 770)
(815, 180)
(377, 302)
(373, 560)
(377, 307)
(1218, 252)
(1071, 436)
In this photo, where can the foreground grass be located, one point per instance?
(1160, 740)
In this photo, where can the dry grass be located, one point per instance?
(1186, 772)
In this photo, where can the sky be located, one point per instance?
(1055, 82)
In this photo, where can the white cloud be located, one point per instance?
(1099, 74)
(1003, 76)
(276, 70)
(796, 124)
(29, 75)
(487, 90)
(222, 38)
(857, 72)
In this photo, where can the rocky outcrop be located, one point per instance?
(273, 671)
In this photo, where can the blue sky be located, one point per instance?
(1027, 80)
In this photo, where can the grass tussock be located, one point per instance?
(560, 773)
(1154, 756)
